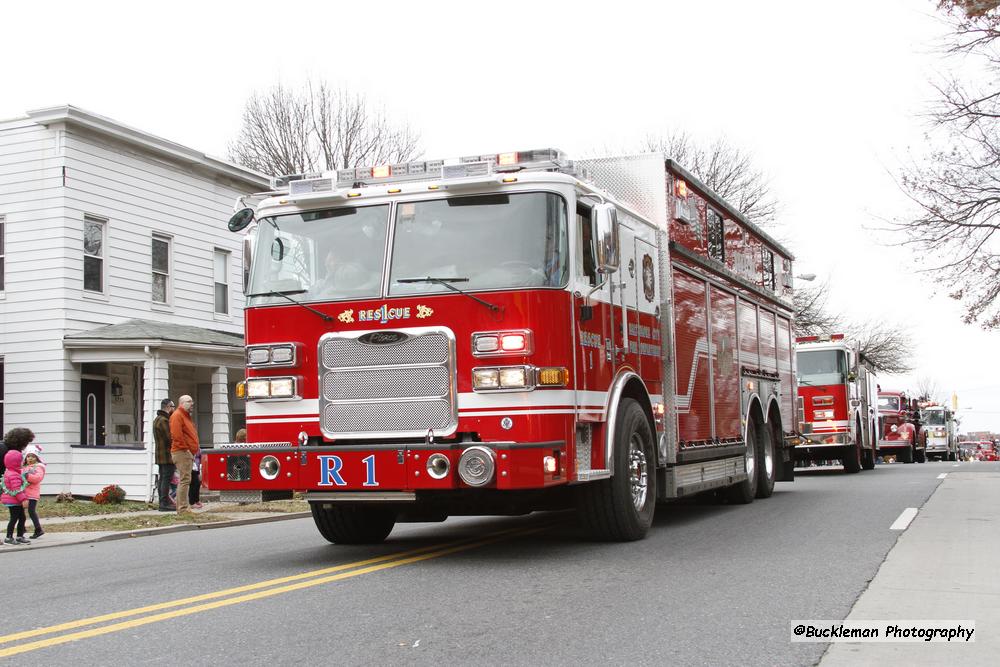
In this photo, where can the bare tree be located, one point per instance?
(726, 169)
(811, 315)
(888, 348)
(928, 389)
(286, 131)
(957, 186)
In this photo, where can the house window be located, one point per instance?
(221, 282)
(2, 256)
(768, 260)
(716, 237)
(93, 254)
(161, 269)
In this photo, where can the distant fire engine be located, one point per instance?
(938, 425)
(505, 333)
(837, 394)
(900, 433)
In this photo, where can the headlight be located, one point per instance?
(485, 378)
(823, 414)
(269, 467)
(283, 354)
(513, 378)
(257, 356)
(894, 428)
(260, 388)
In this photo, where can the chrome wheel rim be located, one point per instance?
(769, 457)
(637, 472)
(751, 455)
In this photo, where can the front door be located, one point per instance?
(92, 408)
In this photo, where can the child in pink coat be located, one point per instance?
(14, 497)
(34, 473)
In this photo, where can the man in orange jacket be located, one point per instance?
(183, 448)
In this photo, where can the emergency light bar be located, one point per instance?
(825, 338)
(469, 166)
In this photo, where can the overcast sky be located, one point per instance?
(827, 97)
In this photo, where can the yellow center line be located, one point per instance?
(27, 634)
(259, 595)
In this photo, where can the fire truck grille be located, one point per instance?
(432, 381)
(398, 389)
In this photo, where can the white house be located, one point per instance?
(119, 285)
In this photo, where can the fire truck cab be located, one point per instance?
(504, 333)
(938, 426)
(837, 392)
(900, 433)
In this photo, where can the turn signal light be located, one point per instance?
(553, 377)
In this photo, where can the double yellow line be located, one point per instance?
(240, 594)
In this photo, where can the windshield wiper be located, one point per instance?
(284, 294)
(447, 282)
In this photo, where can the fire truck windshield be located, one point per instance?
(888, 403)
(932, 417)
(821, 367)
(320, 255)
(496, 241)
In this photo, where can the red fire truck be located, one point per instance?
(900, 433)
(837, 391)
(504, 333)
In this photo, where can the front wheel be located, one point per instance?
(621, 508)
(353, 524)
(868, 459)
(920, 456)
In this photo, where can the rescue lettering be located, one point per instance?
(384, 314)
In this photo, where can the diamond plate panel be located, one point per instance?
(374, 383)
(639, 181)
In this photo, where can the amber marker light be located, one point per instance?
(553, 377)
(394, 191)
(241, 390)
(353, 194)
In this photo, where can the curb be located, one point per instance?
(166, 530)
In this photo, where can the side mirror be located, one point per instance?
(241, 220)
(277, 250)
(606, 231)
(852, 376)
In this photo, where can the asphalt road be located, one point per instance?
(712, 584)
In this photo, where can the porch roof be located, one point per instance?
(140, 333)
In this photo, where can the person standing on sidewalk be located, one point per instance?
(161, 434)
(34, 473)
(13, 483)
(183, 448)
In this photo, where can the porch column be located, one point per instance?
(220, 406)
(155, 388)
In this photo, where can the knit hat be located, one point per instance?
(34, 449)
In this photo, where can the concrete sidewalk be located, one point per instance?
(942, 568)
(56, 539)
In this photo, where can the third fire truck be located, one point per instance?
(508, 332)
(837, 394)
(938, 424)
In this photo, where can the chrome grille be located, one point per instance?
(368, 383)
(395, 390)
(431, 348)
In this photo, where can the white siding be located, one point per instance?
(50, 177)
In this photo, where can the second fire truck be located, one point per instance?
(900, 434)
(837, 394)
(509, 332)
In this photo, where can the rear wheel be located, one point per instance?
(621, 508)
(868, 459)
(353, 524)
(767, 457)
(906, 455)
(745, 491)
(920, 456)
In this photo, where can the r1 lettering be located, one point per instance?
(329, 471)
(369, 462)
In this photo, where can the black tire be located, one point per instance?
(744, 492)
(767, 448)
(920, 456)
(343, 523)
(868, 459)
(906, 455)
(852, 455)
(607, 507)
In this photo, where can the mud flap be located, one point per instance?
(786, 471)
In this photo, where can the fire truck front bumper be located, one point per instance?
(893, 445)
(275, 470)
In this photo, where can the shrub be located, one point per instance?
(111, 494)
(65, 498)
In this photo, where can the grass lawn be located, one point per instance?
(119, 523)
(48, 507)
(270, 506)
